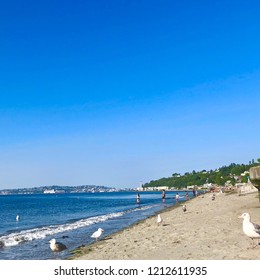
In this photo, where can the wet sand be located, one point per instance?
(209, 230)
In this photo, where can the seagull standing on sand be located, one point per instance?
(250, 229)
(159, 219)
(57, 246)
(97, 233)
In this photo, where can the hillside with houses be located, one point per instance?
(225, 177)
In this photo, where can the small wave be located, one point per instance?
(16, 238)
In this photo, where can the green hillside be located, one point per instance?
(219, 176)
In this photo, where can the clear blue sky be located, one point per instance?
(116, 92)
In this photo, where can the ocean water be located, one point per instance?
(70, 218)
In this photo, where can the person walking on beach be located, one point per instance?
(187, 195)
(177, 197)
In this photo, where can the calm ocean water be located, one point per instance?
(70, 218)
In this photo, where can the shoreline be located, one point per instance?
(84, 249)
(209, 230)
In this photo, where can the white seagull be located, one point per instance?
(159, 219)
(250, 229)
(17, 218)
(57, 246)
(97, 233)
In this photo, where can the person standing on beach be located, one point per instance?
(163, 194)
(177, 197)
(138, 198)
(187, 195)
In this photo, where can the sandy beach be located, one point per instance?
(209, 230)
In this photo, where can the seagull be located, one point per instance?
(184, 208)
(159, 219)
(17, 218)
(97, 233)
(57, 246)
(250, 229)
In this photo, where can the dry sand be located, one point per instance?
(209, 230)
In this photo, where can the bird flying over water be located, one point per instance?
(97, 233)
(17, 218)
(250, 229)
(57, 246)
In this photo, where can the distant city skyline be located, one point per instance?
(115, 93)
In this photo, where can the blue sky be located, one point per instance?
(116, 92)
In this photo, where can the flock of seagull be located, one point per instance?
(250, 229)
(58, 246)
(160, 220)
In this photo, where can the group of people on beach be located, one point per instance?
(177, 197)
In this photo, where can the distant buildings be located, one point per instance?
(158, 188)
(58, 190)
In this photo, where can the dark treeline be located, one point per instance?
(219, 176)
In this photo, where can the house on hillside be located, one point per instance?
(161, 188)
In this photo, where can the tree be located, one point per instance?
(244, 179)
(219, 176)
